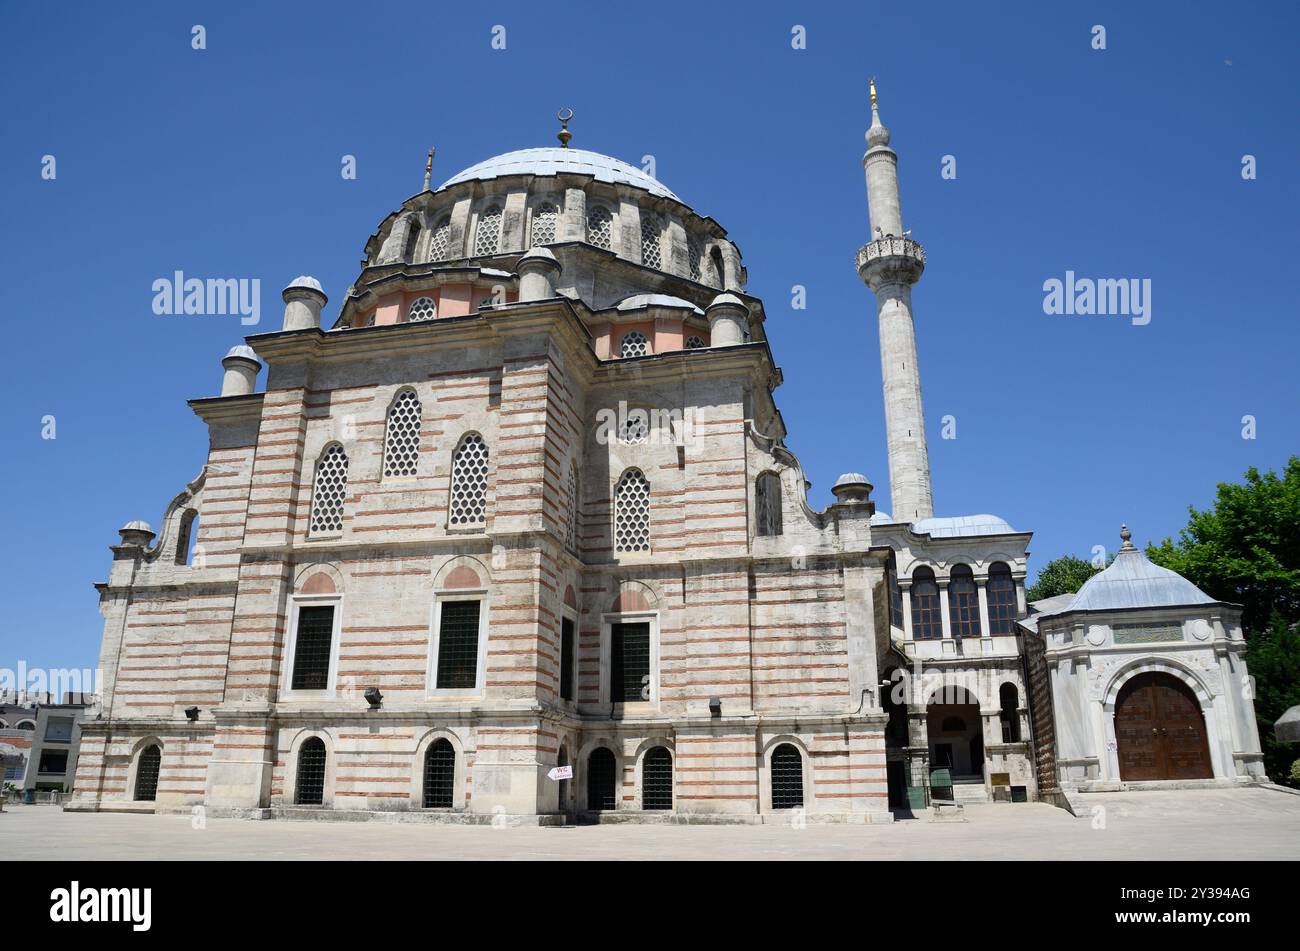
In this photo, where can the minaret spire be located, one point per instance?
(428, 168)
(890, 264)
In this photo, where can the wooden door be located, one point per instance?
(1160, 731)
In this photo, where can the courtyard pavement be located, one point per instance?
(1185, 824)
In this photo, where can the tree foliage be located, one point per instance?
(1063, 575)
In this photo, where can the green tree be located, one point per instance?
(1063, 575)
(1246, 549)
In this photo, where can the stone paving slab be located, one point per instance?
(1200, 825)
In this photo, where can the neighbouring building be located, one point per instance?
(527, 501)
(56, 740)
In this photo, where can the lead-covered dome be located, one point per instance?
(555, 161)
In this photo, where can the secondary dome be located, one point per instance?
(554, 161)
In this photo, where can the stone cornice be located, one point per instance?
(215, 410)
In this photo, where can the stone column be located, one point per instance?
(573, 220)
(986, 633)
(949, 646)
(909, 641)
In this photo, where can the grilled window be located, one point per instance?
(634, 344)
(632, 512)
(927, 615)
(421, 309)
(309, 790)
(787, 777)
(311, 649)
(458, 644)
(599, 226)
(330, 492)
(963, 603)
(439, 775)
(629, 662)
(600, 779)
(767, 504)
(488, 236)
(635, 427)
(693, 254)
(566, 659)
(440, 240)
(469, 471)
(571, 513)
(1009, 703)
(402, 435)
(694, 342)
(146, 773)
(657, 779)
(1001, 591)
(650, 231)
(544, 220)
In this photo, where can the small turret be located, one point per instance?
(728, 320)
(241, 365)
(303, 300)
(538, 272)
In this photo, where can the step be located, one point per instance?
(970, 792)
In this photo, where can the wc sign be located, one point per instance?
(560, 772)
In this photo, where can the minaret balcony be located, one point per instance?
(892, 259)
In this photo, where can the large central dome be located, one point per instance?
(555, 161)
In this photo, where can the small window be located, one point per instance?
(694, 342)
(402, 435)
(632, 512)
(1009, 704)
(309, 790)
(147, 768)
(1001, 592)
(458, 630)
(187, 538)
(312, 648)
(927, 615)
(566, 658)
(634, 344)
(599, 226)
(571, 511)
(330, 492)
(601, 789)
(469, 472)
(657, 779)
(421, 309)
(58, 730)
(787, 777)
(439, 775)
(651, 255)
(635, 427)
(545, 218)
(440, 240)
(767, 504)
(693, 254)
(53, 761)
(488, 237)
(719, 271)
(412, 239)
(629, 662)
(963, 602)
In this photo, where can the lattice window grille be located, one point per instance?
(632, 512)
(312, 648)
(330, 491)
(440, 241)
(694, 343)
(657, 779)
(469, 471)
(599, 227)
(634, 344)
(439, 775)
(693, 254)
(310, 787)
(571, 514)
(635, 428)
(787, 777)
(370, 319)
(650, 251)
(544, 222)
(488, 237)
(146, 773)
(422, 308)
(458, 630)
(402, 435)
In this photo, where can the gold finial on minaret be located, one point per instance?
(564, 135)
(873, 93)
(428, 168)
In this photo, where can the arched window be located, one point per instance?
(1009, 702)
(422, 308)
(1001, 590)
(440, 240)
(693, 254)
(469, 472)
(402, 435)
(635, 427)
(439, 775)
(309, 790)
(927, 615)
(633, 344)
(545, 217)
(188, 536)
(719, 271)
(412, 239)
(488, 237)
(694, 342)
(146, 773)
(599, 226)
(657, 779)
(650, 231)
(601, 790)
(330, 491)
(571, 512)
(767, 504)
(963, 602)
(632, 512)
(25, 725)
(787, 777)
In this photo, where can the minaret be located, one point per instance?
(890, 265)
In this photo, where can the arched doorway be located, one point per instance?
(600, 780)
(956, 733)
(1160, 731)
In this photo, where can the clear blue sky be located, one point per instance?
(1117, 163)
